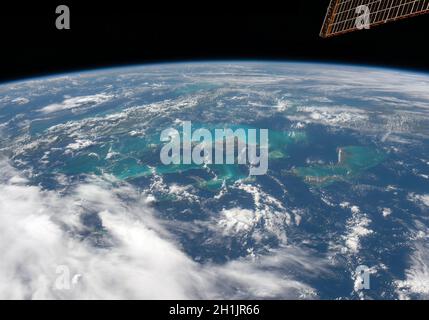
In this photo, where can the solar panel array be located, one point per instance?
(350, 15)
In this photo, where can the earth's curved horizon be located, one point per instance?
(125, 66)
(88, 211)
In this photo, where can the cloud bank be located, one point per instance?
(129, 256)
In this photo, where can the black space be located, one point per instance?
(123, 32)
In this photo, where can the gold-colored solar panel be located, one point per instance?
(351, 15)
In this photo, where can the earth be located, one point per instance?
(87, 210)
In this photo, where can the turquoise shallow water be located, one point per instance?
(353, 161)
(131, 157)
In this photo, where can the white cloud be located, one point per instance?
(79, 144)
(237, 220)
(77, 102)
(357, 228)
(416, 282)
(20, 100)
(421, 199)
